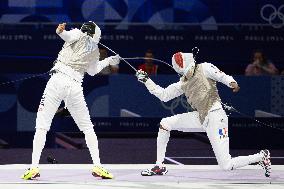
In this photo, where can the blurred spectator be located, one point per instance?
(149, 67)
(109, 69)
(260, 65)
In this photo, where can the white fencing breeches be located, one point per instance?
(61, 87)
(216, 127)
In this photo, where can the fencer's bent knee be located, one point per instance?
(226, 166)
(163, 136)
(224, 161)
(161, 127)
(164, 124)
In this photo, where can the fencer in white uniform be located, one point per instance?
(79, 55)
(198, 84)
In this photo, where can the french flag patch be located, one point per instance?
(223, 133)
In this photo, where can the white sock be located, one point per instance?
(162, 141)
(38, 145)
(242, 161)
(92, 143)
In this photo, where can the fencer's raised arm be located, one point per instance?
(68, 36)
(96, 66)
(164, 94)
(212, 72)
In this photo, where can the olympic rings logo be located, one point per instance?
(270, 14)
(176, 103)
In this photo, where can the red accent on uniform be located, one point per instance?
(225, 130)
(178, 59)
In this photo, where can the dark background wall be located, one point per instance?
(225, 31)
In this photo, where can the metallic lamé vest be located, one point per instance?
(79, 54)
(201, 92)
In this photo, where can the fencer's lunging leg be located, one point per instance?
(242, 161)
(38, 145)
(78, 109)
(218, 134)
(162, 142)
(80, 113)
(227, 163)
(92, 143)
(47, 108)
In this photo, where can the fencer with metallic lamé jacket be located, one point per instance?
(200, 89)
(78, 54)
(201, 92)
